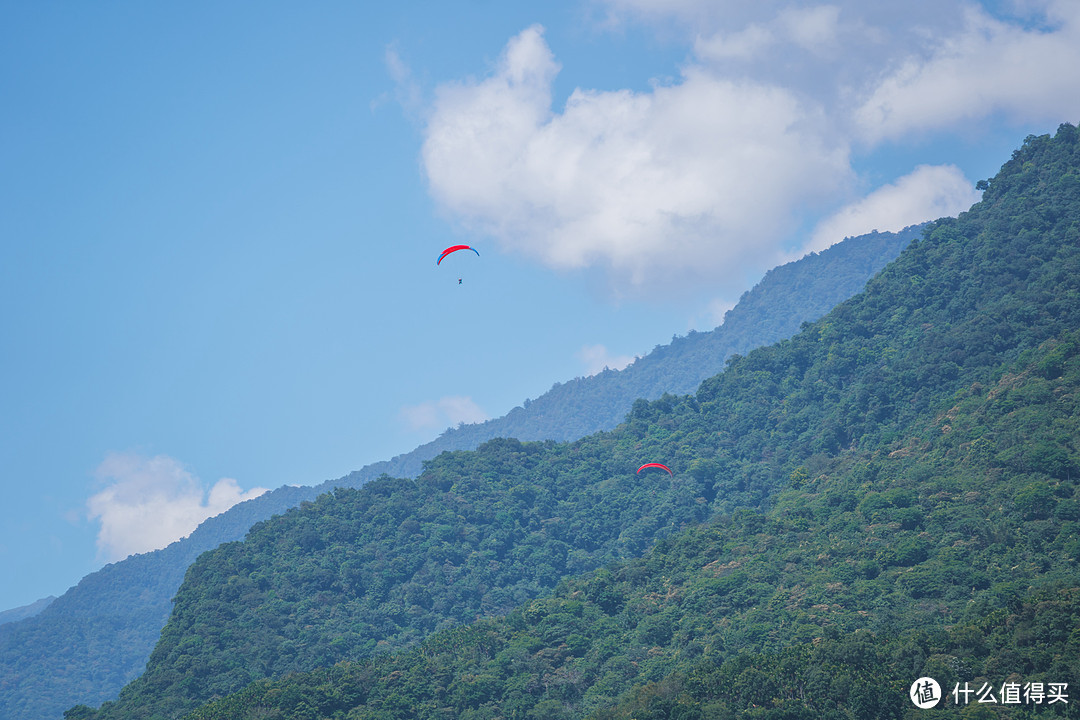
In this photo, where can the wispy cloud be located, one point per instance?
(597, 358)
(989, 66)
(444, 412)
(716, 312)
(816, 29)
(148, 503)
(886, 71)
(407, 91)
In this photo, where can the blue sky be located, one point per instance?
(219, 221)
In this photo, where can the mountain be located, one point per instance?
(904, 470)
(94, 637)
(865, 574)
(110, 621)
(953, 556)
(26, 611)
(786, 297)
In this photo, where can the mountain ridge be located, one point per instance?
(25, 611)
(113, 617)
(827, 409)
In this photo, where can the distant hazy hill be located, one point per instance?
(26, 611)
(866, 573)
(786, 297)
(98, 636)
(894, 492)
(99, 633)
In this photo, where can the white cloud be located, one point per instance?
(447, 411)
(424, 415)
(407, 91)
(887, 70)
(989, 66)
(815, 29)
(701, 180)
(711, 315)
(686, 10)
(930, 192)
(717, 311)
(746, 44)
(689, 181)
(597, 358)
(151, 502)
(711, 16)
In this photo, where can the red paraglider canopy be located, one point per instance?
(661, 466)
(455, 248)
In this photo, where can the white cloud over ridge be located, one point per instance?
(927, 193)
(691, 179)
(888, 70)
(989, 66)
(152, 502)
(598, 358)
(447, 411)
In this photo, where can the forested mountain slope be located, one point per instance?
(96, 637)
(953, 556)
(818, 416)
(110, 621)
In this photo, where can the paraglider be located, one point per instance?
(659, 466)
(453, 249)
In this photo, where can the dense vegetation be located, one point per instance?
(110, 622)
(930, 559)
(913, 453)
(94, 638)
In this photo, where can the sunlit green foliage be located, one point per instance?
(816, 608)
